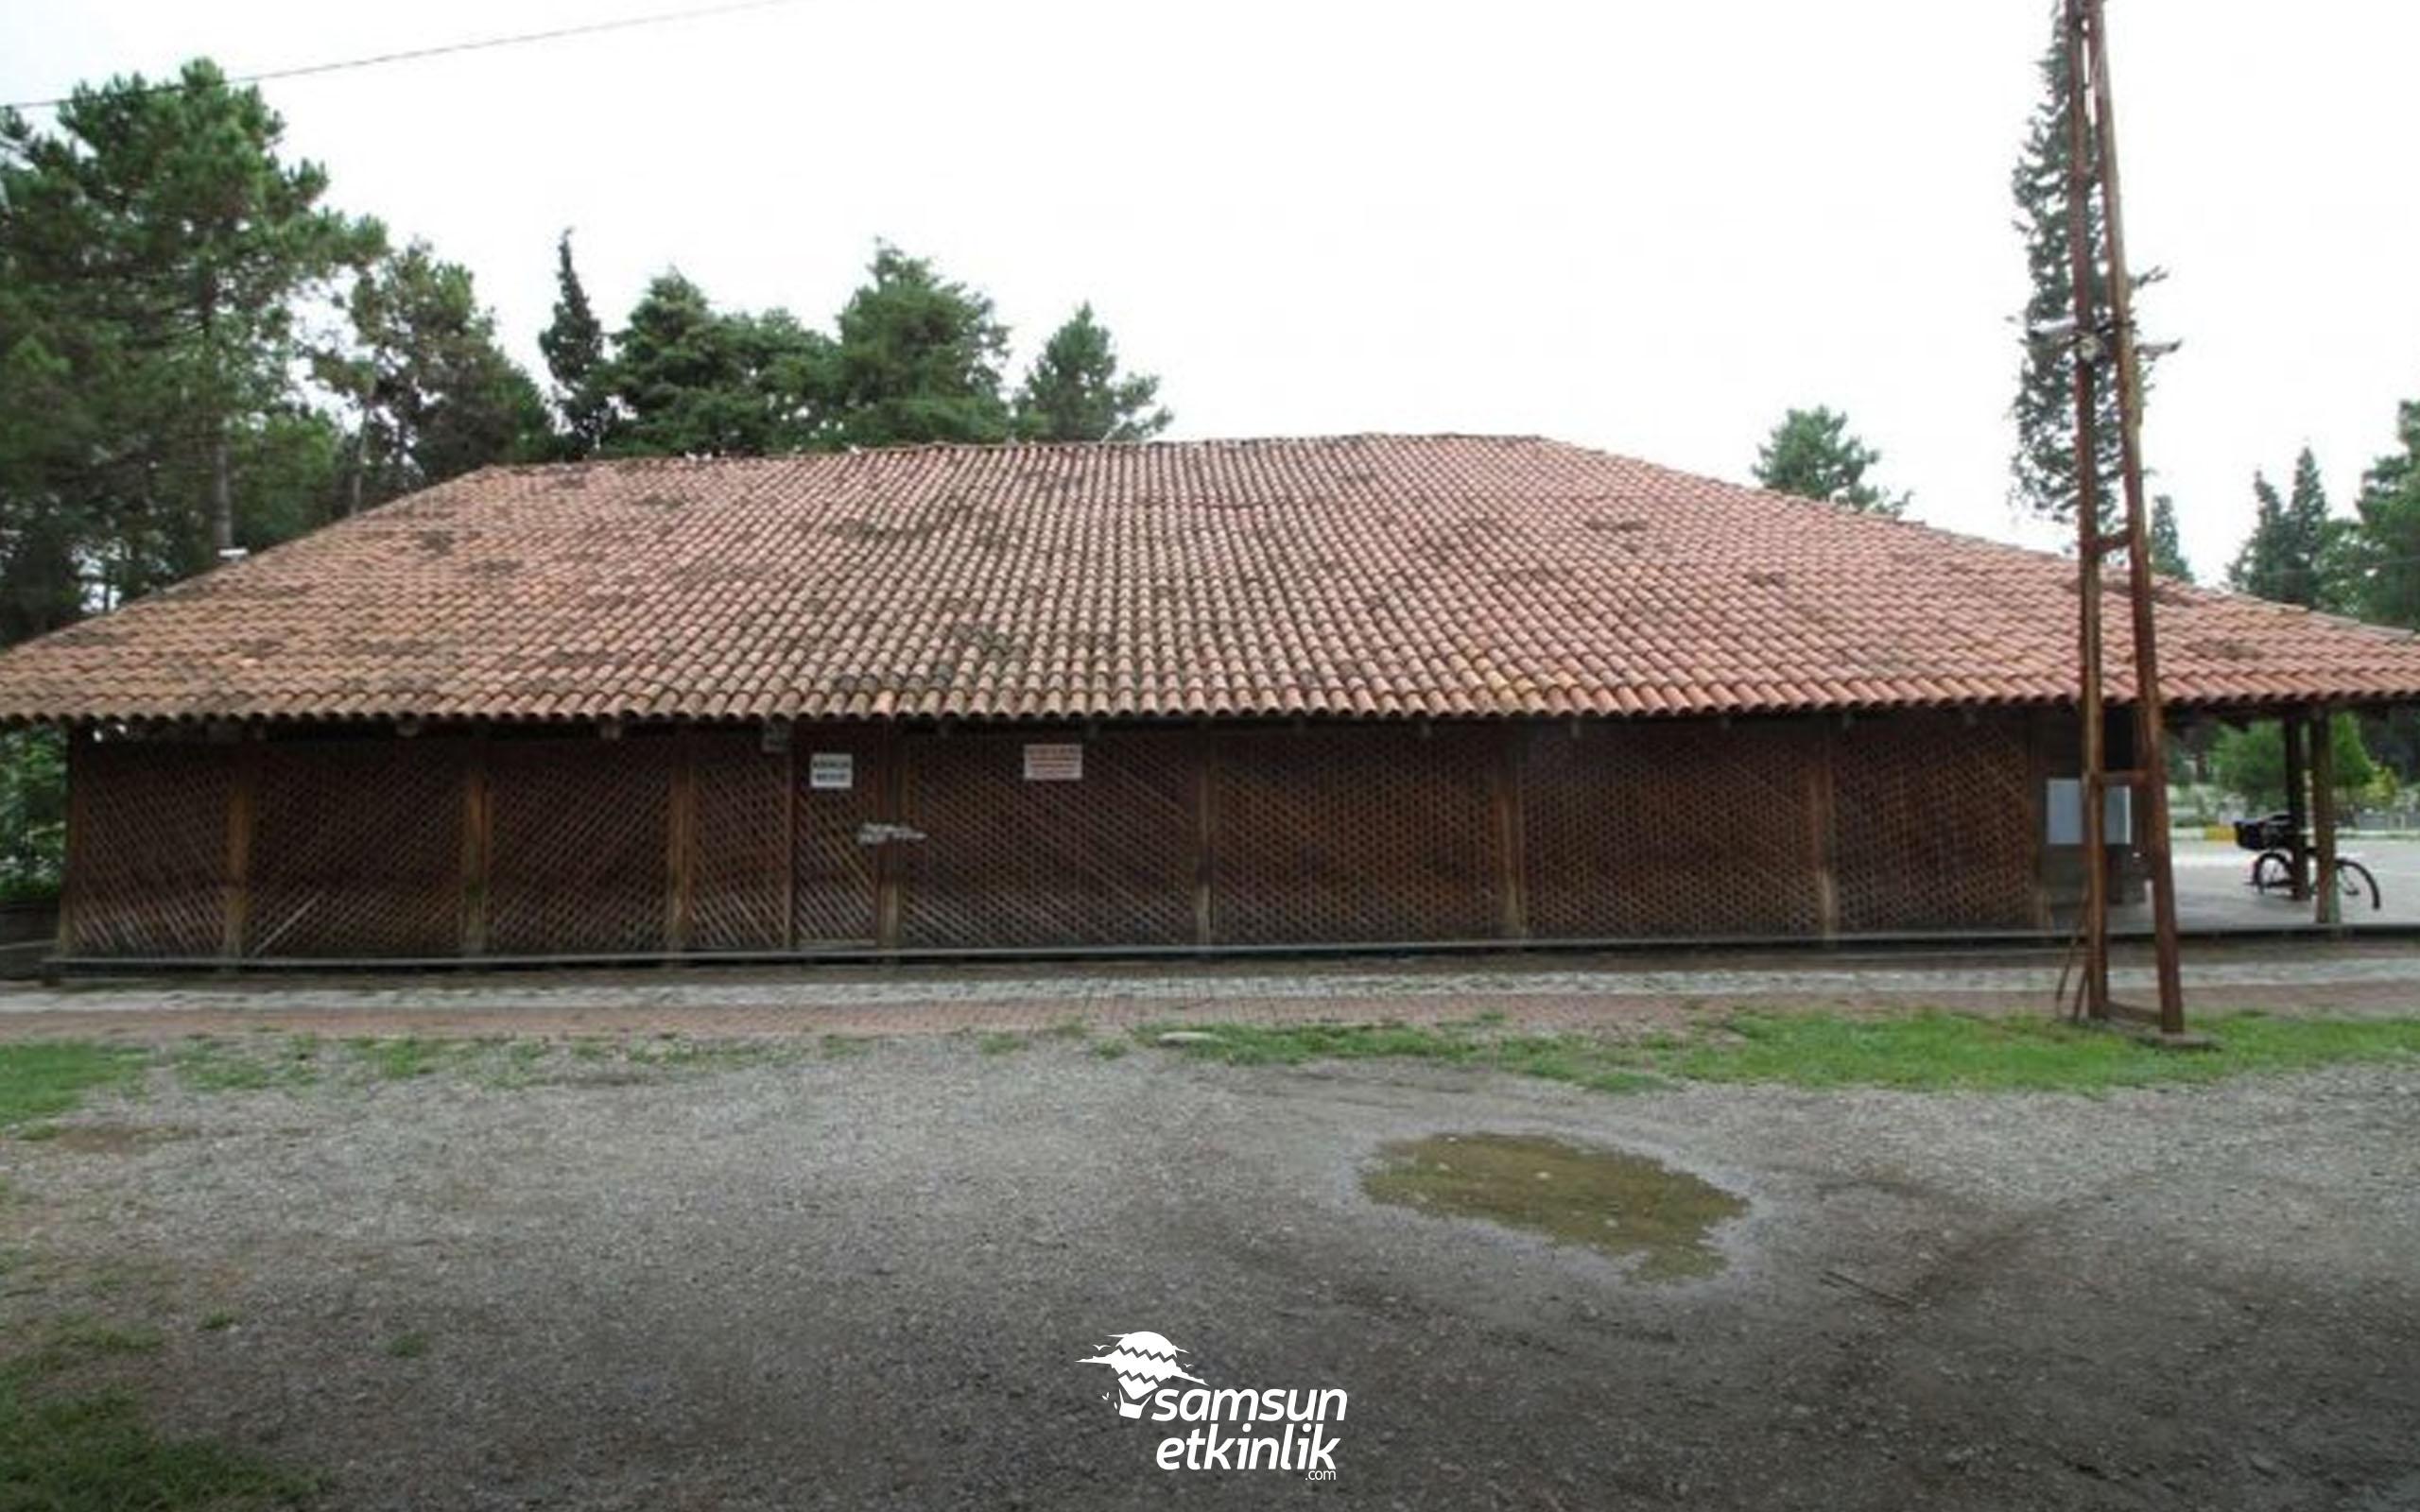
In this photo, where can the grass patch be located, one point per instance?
(1001, 1044)
(72, 1441)
(403, 1059)
(41, 1079)
(701, 1054)
(1935, 1051)
(218, 1322)
(1110, 1049)
(75, 1336)
(214, 1066)
(1931, 1051)
(407, 1345)
(514, 1063)
(93, 1452)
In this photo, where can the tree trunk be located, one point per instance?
(222, 495)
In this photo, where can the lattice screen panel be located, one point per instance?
(1106, 859)
(740, 844)
(1935, 825)
(357, 849)
(1356, 834)
(834, 899)
(147, 864)
(581, 849)
(1648, 830)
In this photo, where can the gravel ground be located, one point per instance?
(1544, 991)
(866, 1279)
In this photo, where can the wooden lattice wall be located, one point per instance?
(356, 849)
(705, 840)
(147, 849)
(1334, 834)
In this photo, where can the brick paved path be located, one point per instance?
(1537, 990)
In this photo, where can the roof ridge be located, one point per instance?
(1035, 444)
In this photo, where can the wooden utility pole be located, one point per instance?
(2089, 542)
(2088, 60)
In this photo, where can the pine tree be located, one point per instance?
(2044, 464)
(919, 359)
(2261, 565)
(574, 346)
(2168, 551)
(2293, 547)
(1073, 391)
(2385, 584)
(155, 250)
(1812, 454)
(688, 379)
(436, 394)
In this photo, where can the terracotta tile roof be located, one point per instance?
(1355, 575)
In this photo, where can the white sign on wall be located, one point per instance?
(832, 770)
(1054, 763)
(2062, 814)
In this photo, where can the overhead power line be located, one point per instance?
(407, 54)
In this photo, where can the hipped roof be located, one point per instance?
(1360, 576)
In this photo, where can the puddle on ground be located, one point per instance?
(1616, 1203)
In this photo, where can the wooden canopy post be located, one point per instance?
(2297, 810)
(2323, 816)
(479, 843)
(242, 802)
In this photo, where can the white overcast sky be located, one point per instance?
(1645, 227)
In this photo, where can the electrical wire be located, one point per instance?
(588, 29)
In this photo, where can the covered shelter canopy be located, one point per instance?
(1184, 696)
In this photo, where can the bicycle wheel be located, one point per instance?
(2353, 878)
(2273, 868)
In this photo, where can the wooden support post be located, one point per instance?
(1823, 839)
(242, 794)
(479, 843)
(887, 861)
(1510, 838)
(789, 843)
(2322, 818)
(2297, 808)
(71, 871)
(2037, 784)
(1206, 838)
(680, 849)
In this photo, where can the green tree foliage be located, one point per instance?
(435, 395)
(2167, 552)
(919, 359)
(153, 252)
(688, 379)
(1074, 392)
(2381, 576)
(573, 346)
(2295, 553)
(163, 249)
(2250, 762)
(1812, 454)
(33, 814)
(2044, 464)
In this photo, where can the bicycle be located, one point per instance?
(2284, 856)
